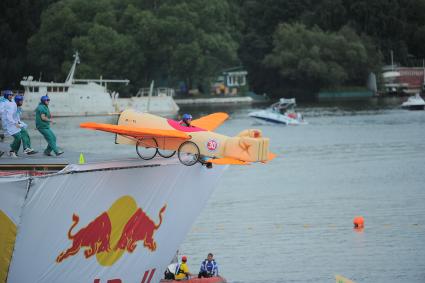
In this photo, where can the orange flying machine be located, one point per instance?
(154, 135)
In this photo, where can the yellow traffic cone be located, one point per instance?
(82, 160)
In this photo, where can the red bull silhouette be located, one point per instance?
(95, 237)
(139, 228)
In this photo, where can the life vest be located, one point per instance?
(178, 270)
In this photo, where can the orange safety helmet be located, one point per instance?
(184, 258)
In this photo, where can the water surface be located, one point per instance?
(291, 220)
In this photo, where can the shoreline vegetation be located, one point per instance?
(288, 48)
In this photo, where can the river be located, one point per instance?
(291, 220)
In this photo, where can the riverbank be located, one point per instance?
(201, 101)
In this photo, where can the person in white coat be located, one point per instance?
(14, 126)
(3, 100)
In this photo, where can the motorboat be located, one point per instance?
(414, 103)
(282, 112)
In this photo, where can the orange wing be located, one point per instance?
(210, 122)
(134, 131)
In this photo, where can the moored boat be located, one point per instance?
(91, 97)
(414, 103)
(73, 97)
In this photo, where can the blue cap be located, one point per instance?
(187, 117)
(19, 98)
(44, 98)
(6, 93)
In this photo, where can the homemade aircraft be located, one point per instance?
(154, 135)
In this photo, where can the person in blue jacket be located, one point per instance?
(209, 268)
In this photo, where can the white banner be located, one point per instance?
(12, 197)
(121, 225)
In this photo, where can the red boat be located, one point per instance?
(215, 279)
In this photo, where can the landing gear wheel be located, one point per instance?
(146, 148)
(188, 153)
(166, 153)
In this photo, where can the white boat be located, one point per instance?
(414, 103)
(108, 221)
(282, 112)
(152, 100)
(89, 97)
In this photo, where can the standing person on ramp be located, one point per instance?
(14, 126)
(42, 123)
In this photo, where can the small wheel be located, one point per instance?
(166, 153)
(146, 148)
(188, 153)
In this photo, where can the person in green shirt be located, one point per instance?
(42, 123)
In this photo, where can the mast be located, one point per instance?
(150, 95)
(392, 61)
(70, 77)
(423, 82)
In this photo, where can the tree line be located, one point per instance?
(287, 46)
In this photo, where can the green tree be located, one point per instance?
(167, 41)
(261, 19)
(20, 19)
(313, 59)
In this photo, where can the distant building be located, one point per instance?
(230, 82)
(403, 80)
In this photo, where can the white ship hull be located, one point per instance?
(414, 103)
(79, 100)
(97, 103)
(106, 242)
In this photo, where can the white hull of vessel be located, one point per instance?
(80, 100)
(414, 103)
(281, 112)
(80, 225)
(270, 116)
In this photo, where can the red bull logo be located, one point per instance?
(139, 228)
(113, 232)
(95, 237)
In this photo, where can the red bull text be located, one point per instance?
(147, 277)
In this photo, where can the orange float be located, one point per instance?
(358, 222)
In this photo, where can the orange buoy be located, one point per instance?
(358, 222)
